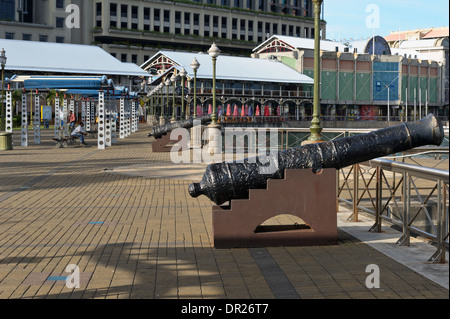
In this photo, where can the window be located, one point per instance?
(123, 57)
(156, 15)
(134, 58)
(9, 35)
(59, 40)
(98, 9)
(43, 38)
(146, 13)
(59, 22)
(124, 11)
(134, 12)
(196, 19)
(166, 16)
(60, 4)
(113, 9)
(26, 37)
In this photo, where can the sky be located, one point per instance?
(349, 18)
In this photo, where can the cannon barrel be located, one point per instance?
(159, 131)
(222, 182)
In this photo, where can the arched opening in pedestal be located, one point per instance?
(283, 222)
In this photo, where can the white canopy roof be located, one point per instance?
(51, 57)
(235, 68)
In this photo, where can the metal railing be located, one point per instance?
(417, 201)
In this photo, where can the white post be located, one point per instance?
(108, 120)
(66, 125)
(122, 118)
(57, 116)
(9, 122)
(87, 124)
(133, 116)
(37, 120)
(128, 128)
(101, 121)
(113, 120)
(24, 125)
(83, 112)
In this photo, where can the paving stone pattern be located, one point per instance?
(143, 237)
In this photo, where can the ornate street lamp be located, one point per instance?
(214, 53)
(174, 79)
(183, 74)
(315, 127)
(167, 83)
(161, 94)
(195, 65)
(2, 106)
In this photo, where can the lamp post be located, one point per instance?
(183, 74)
(2, 106)
(315, 127)
(195, 65)
(214, 53)
(174, 82)
(161, 118)
(167, 94)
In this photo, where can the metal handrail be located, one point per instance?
(438, 184)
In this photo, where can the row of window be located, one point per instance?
(29, 37)
(187, 23)
(291, 9)
(134, 58)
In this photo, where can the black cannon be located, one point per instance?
(225, 181)
(159, 131)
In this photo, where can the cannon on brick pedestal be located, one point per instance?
(159, 131)
(223, 182)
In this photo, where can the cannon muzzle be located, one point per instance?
(225, 181)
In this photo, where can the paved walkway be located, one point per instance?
(136, 236)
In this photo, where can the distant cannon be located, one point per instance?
(225, 181)
(159, 131)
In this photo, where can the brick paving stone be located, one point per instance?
(145, 237)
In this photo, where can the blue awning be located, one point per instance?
(64, 83)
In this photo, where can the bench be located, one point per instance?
(60, 142)
(72, 139)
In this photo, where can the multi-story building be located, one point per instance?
(365, 79)
(135, 30)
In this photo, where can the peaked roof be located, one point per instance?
(52, 57)
(302, 43)
(234, 68)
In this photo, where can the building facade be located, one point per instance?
(357, 84)
(134, 30)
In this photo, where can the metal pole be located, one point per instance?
(214, 116)
(315, 128)
(195, 93)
